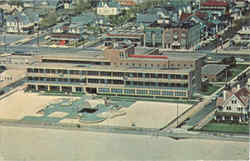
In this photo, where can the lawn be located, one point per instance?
(237, 69)
(226, 127)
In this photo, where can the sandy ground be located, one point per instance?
(21, 104)
(60, 145)
(141, 114)
(148, 114)
(58, 114)
(95, 102)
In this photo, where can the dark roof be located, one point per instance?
(146, 18)
(184, 16)
(65, 36)
(186, 24)
(213, 69)
(242, 94)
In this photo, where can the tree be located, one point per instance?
(82, 5)
(48, 21)
(16, 2)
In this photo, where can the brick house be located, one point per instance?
(167, 34)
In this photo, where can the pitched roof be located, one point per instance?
(214, 3)
(146, 18)
(242, 94)
(126, 2)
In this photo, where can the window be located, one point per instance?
(180, 93)
(105, 73)
(143, 92)
(234, 101)
(103, 90)
(129, 91)
(167, 93)
(114, 90)
(92, 80)
(151, 92)
(228, 108)
(94, 73)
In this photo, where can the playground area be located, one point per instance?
(88, 110)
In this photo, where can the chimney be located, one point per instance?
(224, 95)
(238, 86)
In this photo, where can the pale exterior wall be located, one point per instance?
(234, 106)
(106, 11)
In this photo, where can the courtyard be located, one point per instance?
(88, 110)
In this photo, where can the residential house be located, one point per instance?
(108, 8)
(214, 72)
(233, 106)
(49, 5)
(19, 23)
(244, 33)
(64, 4)
(85, 19)
(202, 19)
(216, 7)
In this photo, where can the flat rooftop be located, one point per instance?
(107, 68)
(99, 54)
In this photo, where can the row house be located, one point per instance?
(233, 106)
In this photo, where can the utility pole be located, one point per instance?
(177, 113)
(37, 27)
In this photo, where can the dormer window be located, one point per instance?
(234, 101)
